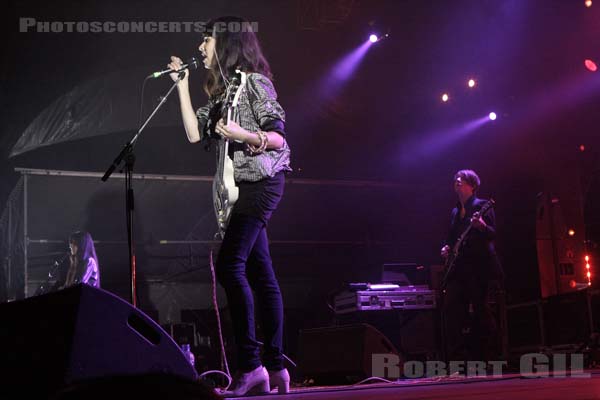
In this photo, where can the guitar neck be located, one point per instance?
(229, 114)
(462, 237)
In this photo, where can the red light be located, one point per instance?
(572, 284)
(581, 147)
(588, 268)
(571, 232)
(590, 65)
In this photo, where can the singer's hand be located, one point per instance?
(176, 64)
(232, 131)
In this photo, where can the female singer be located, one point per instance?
(260, 157)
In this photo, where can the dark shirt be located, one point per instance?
(477, 257)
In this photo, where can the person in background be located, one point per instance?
(469, 321)
(83, 261)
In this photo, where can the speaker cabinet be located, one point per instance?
(414, 333)
(560, 254)
(567, 318)
(341, 354)
(525, 326)
(50, 341)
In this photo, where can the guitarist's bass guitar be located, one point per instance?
(225, 191)
(455, 250)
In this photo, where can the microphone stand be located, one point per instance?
(128, 157)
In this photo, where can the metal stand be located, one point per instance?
(443, 343)
(128, 157)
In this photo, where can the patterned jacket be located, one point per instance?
(258, 109)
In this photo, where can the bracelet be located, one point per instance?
(264, 140)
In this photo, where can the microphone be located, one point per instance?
(192, 63)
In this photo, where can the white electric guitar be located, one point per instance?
(225, 191)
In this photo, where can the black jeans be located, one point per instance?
(468, 319)
(244, 265)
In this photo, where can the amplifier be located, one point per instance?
(404, 298)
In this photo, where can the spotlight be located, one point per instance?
(373, 38)
(445, 97)
(590, 65)
(493, 116)
(571, 232)
(581, 147)
(588, 3)
(471, 83)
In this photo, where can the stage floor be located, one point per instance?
(509, 387)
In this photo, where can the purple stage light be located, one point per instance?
(432, 144)
(373, 38)
(346, 66)
(493, 116)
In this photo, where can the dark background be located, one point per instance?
(382, 126)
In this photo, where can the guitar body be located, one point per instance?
(225, 191)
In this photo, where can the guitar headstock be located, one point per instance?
(232, 88)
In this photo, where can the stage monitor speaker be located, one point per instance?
(341, 354)
(50, 341)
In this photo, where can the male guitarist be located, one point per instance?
(260, 156)
(468, 320)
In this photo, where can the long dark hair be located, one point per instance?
(234, 50)
(85, 248)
